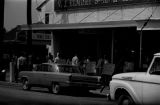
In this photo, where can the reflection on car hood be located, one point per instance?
(129, 76)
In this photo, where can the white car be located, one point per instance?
(138, 88)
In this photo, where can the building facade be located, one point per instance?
(121, 30)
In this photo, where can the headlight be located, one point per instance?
(3, 71)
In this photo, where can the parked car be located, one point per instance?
(54, 76)
(140, 88)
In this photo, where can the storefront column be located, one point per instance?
(112, 47)
(52, 44)
(140, 50)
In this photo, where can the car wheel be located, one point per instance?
(55, 88)
(125, 100)
(26, 85)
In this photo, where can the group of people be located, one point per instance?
(57, 59)
(95, 66)
(22, 62)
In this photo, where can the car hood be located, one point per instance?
(129, 76)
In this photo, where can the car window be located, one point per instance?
(75, 70)
(155, 69)
(64, 69)
(68, 69)
(50, 69)
(38, 67)
(44, 68)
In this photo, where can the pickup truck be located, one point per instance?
(138, 88)
(56, 76)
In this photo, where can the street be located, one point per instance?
(14, 95)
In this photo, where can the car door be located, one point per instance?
(35, 76)
(151, 85)
(44, 75)
(48, 76)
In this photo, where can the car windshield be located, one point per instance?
(156, 66)
(68, 69)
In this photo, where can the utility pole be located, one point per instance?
(2, 29)
(29, 12)
(29, 32)
(2, 13)
(2, 19)
(29, 23)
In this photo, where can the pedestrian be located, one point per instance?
(21, 63)
(57, 58)
(99, 66)
(30, 62)
(68, 61)
(50, 58)
(14, 60)
(75, 60)
(106, 72)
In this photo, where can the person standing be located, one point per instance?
(14, 60)
(21, 63)
(75, 60)
(56, 58)
(50, 58)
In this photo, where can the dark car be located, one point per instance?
(54, 76)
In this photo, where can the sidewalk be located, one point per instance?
(6, 83)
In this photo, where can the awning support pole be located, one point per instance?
(140, 53)
(112, 50)
(52, 44)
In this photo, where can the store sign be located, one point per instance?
(61, 5)
(41, 36)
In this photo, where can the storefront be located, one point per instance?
(15, 43)
(117, 40)
(94, 28)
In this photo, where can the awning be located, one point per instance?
(152, 25)
(111, 24)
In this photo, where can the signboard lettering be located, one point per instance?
(61, 5)
(41, 36)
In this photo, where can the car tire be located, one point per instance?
(125, 100)
(55, 88)
(25, 85)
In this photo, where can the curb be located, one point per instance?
(6, 83)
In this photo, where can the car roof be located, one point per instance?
(59, 64)
(157, 54)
